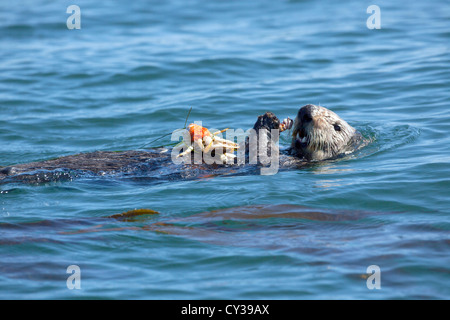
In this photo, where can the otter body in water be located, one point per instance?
(318, 134)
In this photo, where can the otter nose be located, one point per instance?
(306, 113)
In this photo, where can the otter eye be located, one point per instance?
(337, 127)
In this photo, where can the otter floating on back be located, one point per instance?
(317, 134)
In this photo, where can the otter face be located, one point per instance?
(320, 134)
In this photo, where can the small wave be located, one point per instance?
(40, 177)
(385, 138)
(142, 73)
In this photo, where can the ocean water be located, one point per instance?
(130, 75)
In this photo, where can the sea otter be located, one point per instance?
(320, 134)
(317, 134)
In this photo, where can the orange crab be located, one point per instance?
(205, 140)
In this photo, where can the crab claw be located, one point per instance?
(286, 124)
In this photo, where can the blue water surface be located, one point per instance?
(130, 75)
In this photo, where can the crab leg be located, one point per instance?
(217, 132)
(227, 156)
(228, 143)
(209, 141)
(197, 142)
(188, 150)
(225, 146)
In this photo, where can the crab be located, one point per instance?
(204, 140)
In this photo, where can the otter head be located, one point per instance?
(320, 134)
